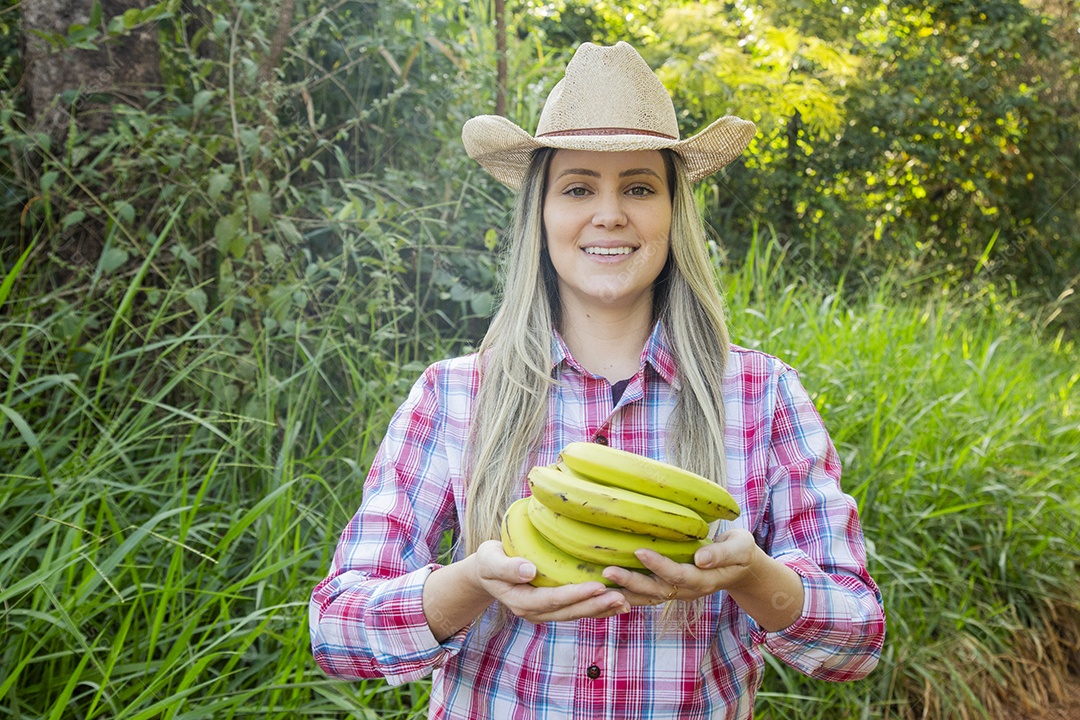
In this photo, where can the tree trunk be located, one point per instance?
(500, 57)
(789, 219)
(119, 69)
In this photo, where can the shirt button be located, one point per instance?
(593, 672)
(600, 440)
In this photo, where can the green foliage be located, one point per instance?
(209, 311)
(957, 424)
(10, 66)
(164, 520)
(889, 134)
(721, 59)
(568, 23)
(160, 530)
(967, 125)
(280, 175)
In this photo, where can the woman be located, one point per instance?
(611, 330)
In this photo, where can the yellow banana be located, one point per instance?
(577, 497)
(602, 545)
(554, 566)
(629, 471)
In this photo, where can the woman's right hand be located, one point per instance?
(506, 579)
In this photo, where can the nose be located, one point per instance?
(609, 212)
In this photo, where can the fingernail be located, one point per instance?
(526, 571)
(702, 558)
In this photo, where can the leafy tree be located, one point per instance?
(958, 139)
(568, 23)
(931, 134)
(724, 58)
(260, 162)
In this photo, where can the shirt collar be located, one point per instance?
(657, 353)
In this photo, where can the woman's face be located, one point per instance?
(607, 220)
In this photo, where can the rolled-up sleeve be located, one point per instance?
(366, 617)
(813, 527)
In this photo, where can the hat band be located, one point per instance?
(606, 131)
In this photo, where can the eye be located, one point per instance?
(640, 190)
(576, 191)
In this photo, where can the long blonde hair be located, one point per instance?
(515, 354)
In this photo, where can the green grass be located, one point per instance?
(959, 428)
(169, 495)
(171, 488)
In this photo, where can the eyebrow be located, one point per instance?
(625, 173)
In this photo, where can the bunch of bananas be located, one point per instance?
(596, 505)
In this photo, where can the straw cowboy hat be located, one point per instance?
(609, 100)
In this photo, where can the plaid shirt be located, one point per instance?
(367, 618)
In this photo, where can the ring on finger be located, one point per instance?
(674, 591)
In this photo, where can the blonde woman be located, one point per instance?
(611, 330)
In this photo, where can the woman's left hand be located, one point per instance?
(728, 563)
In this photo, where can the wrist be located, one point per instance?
(473, 579)
(772, 593)
(454, 596)
(757, 573)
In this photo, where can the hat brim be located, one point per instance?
(505, 150)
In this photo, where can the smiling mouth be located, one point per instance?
(609, 251)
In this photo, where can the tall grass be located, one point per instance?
(167, 504)
(958, 424)
(169, 494)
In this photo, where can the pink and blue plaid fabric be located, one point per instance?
(367, 618)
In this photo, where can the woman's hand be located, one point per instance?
(506, 579)
(766, 589)
(724, 564)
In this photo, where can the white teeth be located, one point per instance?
(609, 251)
